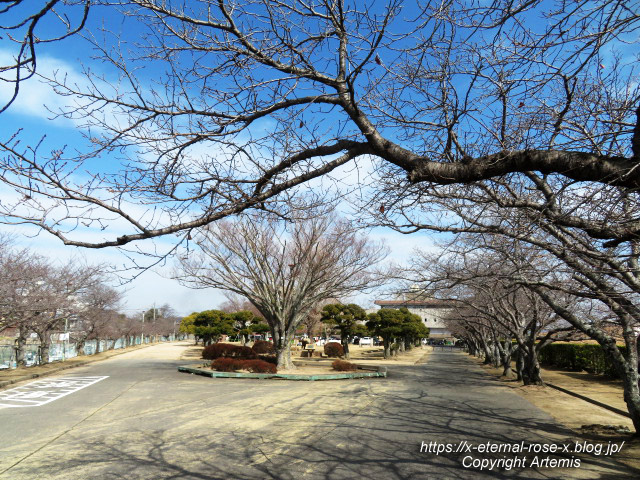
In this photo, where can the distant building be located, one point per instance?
(431, 311)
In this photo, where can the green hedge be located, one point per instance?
(578, 357)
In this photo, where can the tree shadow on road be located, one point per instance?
(376, 430)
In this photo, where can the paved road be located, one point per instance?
(147, 421)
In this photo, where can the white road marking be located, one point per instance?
(40, 392)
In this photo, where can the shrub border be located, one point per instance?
(578, 357)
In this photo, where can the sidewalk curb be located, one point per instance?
(590, 400)
(31, 376)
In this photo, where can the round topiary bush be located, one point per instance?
(240, 351)
(333, 349)
(259, 366)
(262, 346)
(215, 350)
(342, 366)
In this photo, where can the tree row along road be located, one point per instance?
(146, 420)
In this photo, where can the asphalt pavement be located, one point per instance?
(145, 420)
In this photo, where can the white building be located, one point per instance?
(431, 311)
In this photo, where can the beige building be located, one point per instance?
(431, 311)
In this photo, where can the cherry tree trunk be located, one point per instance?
(19, 346)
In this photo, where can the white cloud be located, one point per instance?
(34, 93)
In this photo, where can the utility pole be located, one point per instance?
(65, 341)
(155, 335)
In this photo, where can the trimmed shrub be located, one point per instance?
(240, 351)
(342, 366)
(220, 350)
(258, 366)
(224, 364)
(333, 349)
(227, 364)
(578, 357)
(262, 346)
(215, 350)
(269, 359)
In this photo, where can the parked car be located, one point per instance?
(366, 341)
(333, 340)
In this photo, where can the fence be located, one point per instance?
(59, 351)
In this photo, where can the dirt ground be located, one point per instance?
(365, 356)
(587, 420)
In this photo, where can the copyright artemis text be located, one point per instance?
(521, 454)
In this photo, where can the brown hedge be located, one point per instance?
(342, 366)
(228, 364)
(220, 350)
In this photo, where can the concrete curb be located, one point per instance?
(327, 363)
(382, 372)
(62, 366)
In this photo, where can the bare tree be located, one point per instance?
(283, 270)
(251, 100)
(56, 297)
(313, 321)
(61, 19)
(236, 303)
(20, 273)
(98, 313)
(483, 278)
(38, 296)
(586, 233)
(129, 327)
(537, 101)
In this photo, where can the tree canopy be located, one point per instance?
(247, 102)
(347, 319)
(210, 325)
(285, 270)
(396, 324)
